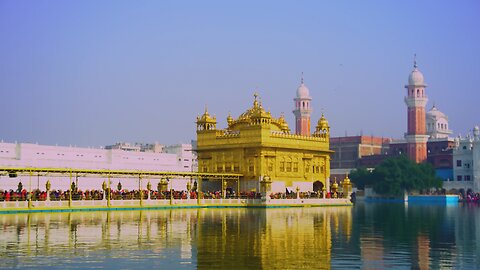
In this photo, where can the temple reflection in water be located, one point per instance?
(233, 237)
(368, 236)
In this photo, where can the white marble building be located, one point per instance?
(437, 124)
(466, 163)
(178, 158)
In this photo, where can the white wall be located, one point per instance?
(45, 156)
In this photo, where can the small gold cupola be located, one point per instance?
(258, 116)
(229, 119)
(206, 122)
(322, 129)
(283, 124)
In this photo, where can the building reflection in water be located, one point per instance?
(273, 238)
(370, 236)
(235, 238)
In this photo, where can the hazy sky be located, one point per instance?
(92, 73)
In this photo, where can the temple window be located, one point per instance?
(289, 166)
(228, 167)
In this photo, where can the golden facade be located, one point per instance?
(258, 145)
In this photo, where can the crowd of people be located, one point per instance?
(470, 196)
(74, 193)
(305, 195)
(60, 195)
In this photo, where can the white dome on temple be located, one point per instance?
(437, 124)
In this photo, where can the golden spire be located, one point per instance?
(255, 102)
(229, 119)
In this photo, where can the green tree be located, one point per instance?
(397, 174)
(361, 177)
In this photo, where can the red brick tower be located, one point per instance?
(416, 100)
(302, 110)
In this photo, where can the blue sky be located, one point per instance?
(91, 73)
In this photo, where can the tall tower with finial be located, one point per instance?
(416, 100)
(303, 110)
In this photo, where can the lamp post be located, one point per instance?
(347, 186)
(70, 193)
(149, 187)
(224, 188)
(265, 186)
(47, 187)
(140, 189)
(104, 188)
(334, 189)
(108, 190)
(162, 185)
(189, 187)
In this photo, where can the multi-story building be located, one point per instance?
(466, 163)
(356, 151)
(257, 145)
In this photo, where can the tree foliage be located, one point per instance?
(395, 175)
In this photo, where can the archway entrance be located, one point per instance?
(317, 186)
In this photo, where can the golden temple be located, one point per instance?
(261, 148)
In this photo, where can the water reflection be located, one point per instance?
(365, 236)
(275, 238)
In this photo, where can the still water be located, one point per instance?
(366, 236)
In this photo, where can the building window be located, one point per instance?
(467, 177)
(295, 167)
(282, 166)
(270, 166)
(464, 147)
(459, 163)
(459, 178)
(228, 167)
(236, 168)
(289, 166)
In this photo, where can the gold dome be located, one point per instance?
(323, 123)
(346, 180)
(335, 185)
(206, 122)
